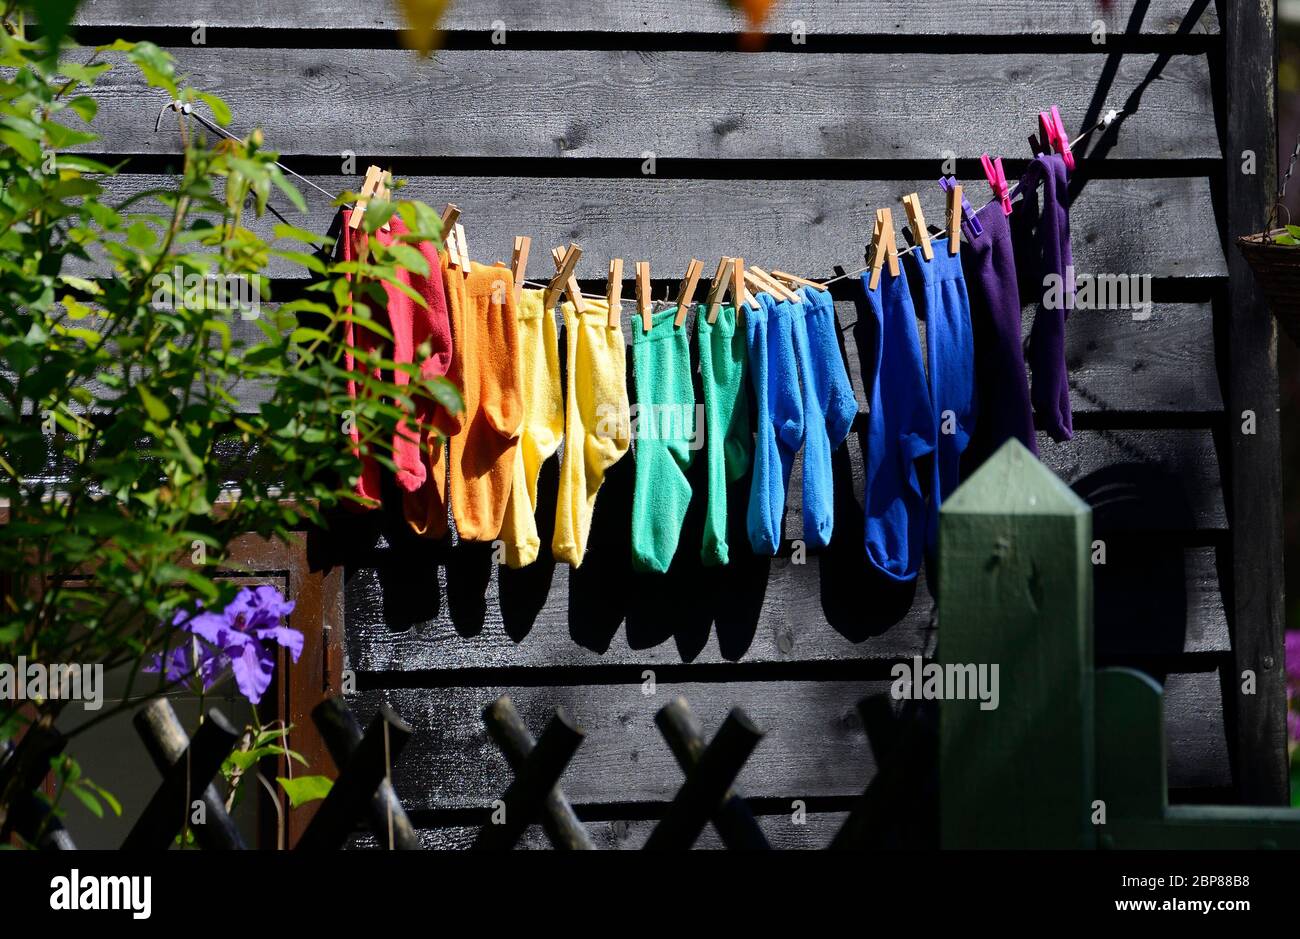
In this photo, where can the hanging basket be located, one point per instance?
(1277, 268)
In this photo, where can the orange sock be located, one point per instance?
(481, 449)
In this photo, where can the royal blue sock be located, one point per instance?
(939, 292)
(900, 430)
(829, 408)
(779, 427)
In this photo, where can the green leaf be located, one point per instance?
(25, 147)
(85, 107)
(289, 189)
(107, 796)
(152, 406)
(303, 789)
(410, 258)
(140, 236)
(220, 110)
(88, 800)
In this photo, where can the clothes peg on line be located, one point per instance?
(519, 264)
(643, 306)
(885, 247)
(1058, 137)
(877, 252)
(563, 279)
(774, 286)
(718, 288)
(972, 219)
(455, 256)
(687, 290)
(369, 190)
(450, 220)
(916, 218)
(450, 216)
(796, 281)
(955, 200)
(997, 181)
(614, 292)
(571, 282)
(738, 292)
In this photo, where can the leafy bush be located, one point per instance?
(127, 461)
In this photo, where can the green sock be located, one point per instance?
(665, 426)
(726, 421)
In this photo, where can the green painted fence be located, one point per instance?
(1069, 758)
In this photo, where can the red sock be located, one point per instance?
(411, 326)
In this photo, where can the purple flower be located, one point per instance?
(243, 637)
(174, 666)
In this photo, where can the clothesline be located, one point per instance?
(188, 109)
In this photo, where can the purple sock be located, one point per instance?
(1042, 226)
(1001, 385)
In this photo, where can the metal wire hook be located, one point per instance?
(183, 107)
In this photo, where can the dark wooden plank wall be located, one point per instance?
(778, 156)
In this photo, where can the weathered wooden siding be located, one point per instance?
(778, 156)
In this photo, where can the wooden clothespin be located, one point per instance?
(752, 281)
(884, 247)
(687, 290)
(643, 294)
(519, 264)
(450, 216)
(462, 247)
(718, 288)
(916, 218)
(614, 293)
(890, 237)
(370, 188)
(738, 292)
(571, 282)
(564, 280)
(775, 287)
(450, 224)
(796, 281)
(954, 219)
(454, 257)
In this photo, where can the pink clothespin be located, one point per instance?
(1061, 138)
(997, 181)
(946, 183)
(1052, 137)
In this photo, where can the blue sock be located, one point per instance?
(900, 430)
(939, 290)
(779, 427)
(829, 409)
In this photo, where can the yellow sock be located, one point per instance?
(539, 365)
(597, 423)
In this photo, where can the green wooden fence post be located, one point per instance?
(1131, 777)
(1015, 590)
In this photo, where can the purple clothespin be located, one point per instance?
(946, 183)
